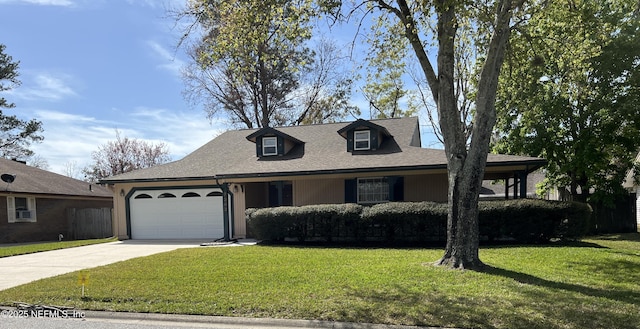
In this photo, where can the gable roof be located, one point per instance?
(271, 131)
(230, 155)
(362, 123)
(31, 180)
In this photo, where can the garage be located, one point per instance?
(177, 214)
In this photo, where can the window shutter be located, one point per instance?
(11, 209)
(396, 188)
(373, 140)
(280, 145)
(351, 191)
(31, 202)
(259, 146)
(350, 139)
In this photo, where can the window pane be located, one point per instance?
(269, 146)
(143, 196)
(269, 141)
(21, 204)
(373, 190)
(361, 140)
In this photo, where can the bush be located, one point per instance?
(408, 221)
(521, 220)
(305, 222)
(533, 220)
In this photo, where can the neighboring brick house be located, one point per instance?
(34, 202)
(205, 194)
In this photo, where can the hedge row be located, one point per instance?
(521, 220)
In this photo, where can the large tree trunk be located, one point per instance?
(466, 165)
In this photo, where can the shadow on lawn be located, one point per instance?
(545, 304)
(421, 245)
(619, 271)
(619, 237)
(532, 309)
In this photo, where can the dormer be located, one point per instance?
(272, 142)
(363, 135)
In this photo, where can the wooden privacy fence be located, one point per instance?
(89, 223)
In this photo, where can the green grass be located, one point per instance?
(6, 251)
(590, 284)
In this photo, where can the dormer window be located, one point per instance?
(362, 140)
(273, 143)
(363, 135)
(269, 146)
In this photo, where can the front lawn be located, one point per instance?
(6, 251)
(590, 284)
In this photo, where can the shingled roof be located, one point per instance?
(31, 180)
(323, 151)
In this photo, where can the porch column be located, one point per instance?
(506, 188)
(225, 213)
(523, 184)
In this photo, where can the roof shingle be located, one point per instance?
(324, 151)
(37, 181)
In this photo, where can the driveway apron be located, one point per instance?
(18, 270)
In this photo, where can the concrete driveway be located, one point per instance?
(17, 270)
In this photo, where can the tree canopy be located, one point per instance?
(468, 39)
(124, 155)
(254, 64)
(569, 93)
(16, 135)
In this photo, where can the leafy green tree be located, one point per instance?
(426, 26)
(386, 67)
(569, 93)
(253, 63)
(437, 25)
(16, 135)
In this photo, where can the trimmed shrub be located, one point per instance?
(406, 221)
(327, 222)
(521, 220)
(533, 220)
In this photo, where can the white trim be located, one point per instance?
(356, 140)
(21, 215)
(273, 140)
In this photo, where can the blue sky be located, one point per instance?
(91, 67)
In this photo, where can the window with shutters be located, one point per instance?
(21, 209)
(373, 190)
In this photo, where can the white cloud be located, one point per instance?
(71, 138)
(169, 59)
(182, 131)
(63, 3)
(46, 86)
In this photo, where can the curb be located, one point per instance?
(239, 321)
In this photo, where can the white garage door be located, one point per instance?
(177, 214)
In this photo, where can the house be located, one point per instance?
(508, 189)
(34, 203)
(205, 194)
(632, 184)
